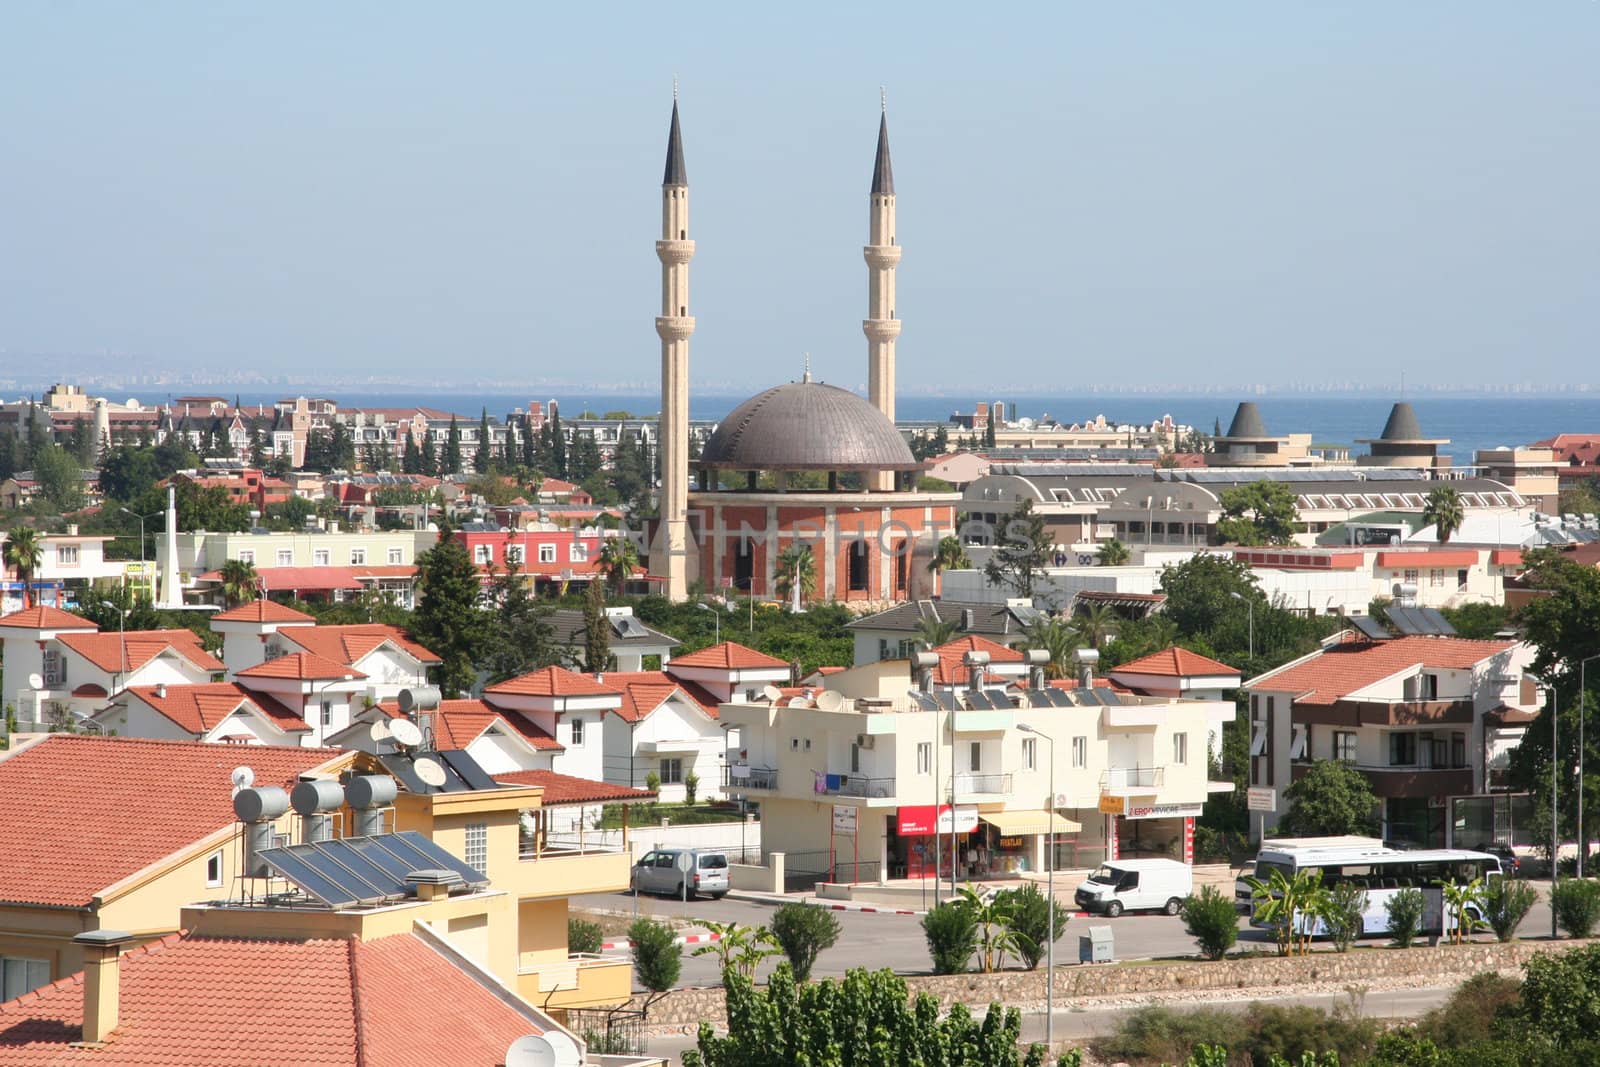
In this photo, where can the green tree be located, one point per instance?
(738, 948)
(1506, 902)
(1201, 601)
(657, 958)
(951, 931)
(1212, 919)
(240, 583)
(24, 552)
(1443, 510)
(128, 472)
(1022, 551)
(448, 618)
(1257, 513)
(1405, 910)
(991, 918)
(1288, 905)
(1058, 637)
(1035, 923)
(1113, 553)
(1096, 623)
(1561, 996)
(520, 638)
(596, 628)
(483, 458)
(933, 631)
(948, 555)
(1576, 902)
(802, 931)
(450, 458)
(1332, 798)
(619, 558)
(796, 564)
(60, 478)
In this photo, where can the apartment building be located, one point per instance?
(70, 566)
(326, 563)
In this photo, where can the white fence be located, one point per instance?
(734, 838)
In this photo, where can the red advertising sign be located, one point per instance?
(922, 819)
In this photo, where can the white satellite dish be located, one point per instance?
(829, 700)
(378, 731)
(429, 771)
(35, 681)
(568, 1054)
(242, 777)
(405, 731)
(531, 1051)
(798, 702)
(771, 692)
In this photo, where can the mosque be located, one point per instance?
(800, 463)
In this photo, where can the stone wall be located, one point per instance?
(686, 1008)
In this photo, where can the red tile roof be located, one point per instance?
(199, 708)
(349, 644)
(728, 656)
(325, 1003)
(83, 812)
(122, 652)
(566, 789)
(953, 671)
(301, 665)
(554, 682)
(458, 723)
(1432, 557)
(645, 691)
(262, 610)
(1176, 663)
(46, 618)
(1341, 669)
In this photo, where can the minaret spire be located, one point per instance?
(882, 253)
(673, 326)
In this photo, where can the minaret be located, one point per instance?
(674, 325)
(881, 325)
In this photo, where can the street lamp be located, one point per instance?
(1050, 881)
(1555, 821)
(1250, 604)
(1583, 711)
(716, 617)
(141, 518)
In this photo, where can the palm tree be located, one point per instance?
(1113, 553)
(240, 583)
(1096, 623)
(796, 564)
(619, 558)
(1444, 511)
(934, 631)
(997, 937)
(24, 553)
(949, 555)
(1058, 637)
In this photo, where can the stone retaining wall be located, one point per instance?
(686, 1008)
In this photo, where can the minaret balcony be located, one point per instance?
(881, 329)
(675, 253)
(677, 327)
(881, 257)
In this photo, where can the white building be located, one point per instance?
(223, 712)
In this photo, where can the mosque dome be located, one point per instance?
(806, 425)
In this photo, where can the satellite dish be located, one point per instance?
(35, 681)
(771, 692)
(798, 702)
(429, 771)
(242, 777)
(405, 731)
(378, 731)
(829, 700)
(568, 1054)
(531, 1051)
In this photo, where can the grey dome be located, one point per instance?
(806, 425)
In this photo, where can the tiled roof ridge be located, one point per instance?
(357, 1021)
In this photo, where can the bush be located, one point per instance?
(803, 931)
(1560, 998)
(1293, 1031)
(584, 936)
(1342, 913)
(1506, 902)
(1468, 1017)
(1405, 910)
(691, 787)
(952, 935)
(652, 782)
(1577, 906)
(1159, 1034)
(657, 957)
(1212, 920)
(1030, 921)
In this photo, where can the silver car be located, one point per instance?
(658, 872)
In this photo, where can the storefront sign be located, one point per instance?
(844, 819)
(1165, 811)
(921, 819)
(1261, 798)
(1011, 842)
(1110, 805)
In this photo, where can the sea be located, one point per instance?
(1469, 423)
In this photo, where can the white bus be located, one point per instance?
(1379, 871)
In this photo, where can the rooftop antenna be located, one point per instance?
(806, 377)
(674, 88)
(883, 99)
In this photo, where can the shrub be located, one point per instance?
(1405, 910)
(952, 935)
(1506, 902)
(1468, 1017)
(1158, 1034)
(1342, 911)
(803, 931)
(652, 782)
(657, 957)
(1560, 997)
(584, 936)
(1577, 906)
(691, 787)
(1212, 920)
(1293, 1031)
(1030, 921)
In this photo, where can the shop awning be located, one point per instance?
(1027, 822)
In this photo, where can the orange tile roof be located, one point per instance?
(645, 691)
(554, 682)
(324, 1003)
(1431, 557)
(301, 665)
(953, 671)
(46, 618)
(115, 652)
(82, 812)
(262, 610)
(1175, 663)
(199, 708)
(349, 644)
(1352, 664)
(458, 723)
(728, 656)
(567, 789)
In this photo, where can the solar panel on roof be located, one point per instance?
(311, 879)
(978, 700)
(434, 855)
(1407, 623)
(946, 700)
(1108, 697)
(1436, 623)
(400, 766)
(1039, 698)
(925, 702)
(1061, 698)
(1371, 627)
(1086, 697)
(467, 769)
(353, 867)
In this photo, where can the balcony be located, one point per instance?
(559, 867)
(1132, 781)
(968, 785)
(1388, 713)
(580, 981)
(1390, 781)
(856, 785)
(741, 776)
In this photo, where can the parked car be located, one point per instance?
(1510, 862)
(1137, 885)
(659, 872)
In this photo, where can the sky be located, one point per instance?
(1113, 193)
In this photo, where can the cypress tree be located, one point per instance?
(450, 458)
(481, 459)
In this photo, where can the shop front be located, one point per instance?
(1142, 828)
(923, 837)
(1013, 843)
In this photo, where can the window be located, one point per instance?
(925, 757)
(1436, 577)
(477, 854)
(1458, 750)
(547, 553)
(320, 557)
(247, 555)
(327, 713)
(577, 731)
(55, 669)
(67, 555)
(397, 555)
(1344, 746)
(883, 648)
(482, 554)
(286, 557)
(1080, 752)
(858, 576)
(1402, 750)
(671, 772)
(578, 552)
(1180, 749)
(358, 557)
(516, 553)
(19, 975)
(214, 870)
(1030, 753)
(1409, 577)
(975, 755)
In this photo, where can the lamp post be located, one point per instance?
(1050, 881)
(717, 618)
(1583, 712)
(141, 518)
(1555, 821)
(1251, 605)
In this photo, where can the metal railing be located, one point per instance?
(608, 1032)
(1133, 778)
(967, 784)
(752, 778)
(859, 785)
(567, 843)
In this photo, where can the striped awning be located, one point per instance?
(1028, 821)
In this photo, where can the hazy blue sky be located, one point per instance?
(1117, 192)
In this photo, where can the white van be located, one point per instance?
(1137, 885)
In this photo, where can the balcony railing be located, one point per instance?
(855, 785)
(741, 776)
(1133, 778)
(968, 784)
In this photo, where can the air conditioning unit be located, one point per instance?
(865, 740)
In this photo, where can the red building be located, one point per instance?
(547, 556)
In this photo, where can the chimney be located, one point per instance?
(161, 690)
(102, 952)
